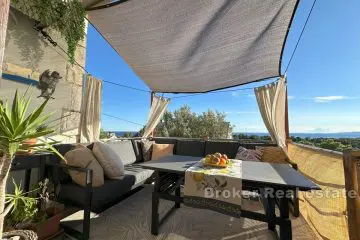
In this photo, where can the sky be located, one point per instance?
(323, 78)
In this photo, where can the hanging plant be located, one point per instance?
(65, 16)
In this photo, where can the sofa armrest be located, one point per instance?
(88, 195)
(64, 166)
(88, 172)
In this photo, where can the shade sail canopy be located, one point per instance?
(198, 46)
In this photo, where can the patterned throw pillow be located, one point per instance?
(248, 154)
(146, 148)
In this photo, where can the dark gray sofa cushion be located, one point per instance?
(140, 174)
(109, 193)
(228, 148)
(253, 145)
(166, 141)
(125, 151)
(195, 148)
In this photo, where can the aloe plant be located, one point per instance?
(17, 124)
(20, 207)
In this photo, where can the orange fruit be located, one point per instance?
(222, 161)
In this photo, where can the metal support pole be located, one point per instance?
(87, 204)
(287, 132)
(155, 206)
(151, 102)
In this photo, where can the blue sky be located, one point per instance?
(323, 79)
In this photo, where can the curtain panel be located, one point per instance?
(157, 110)
(271, 100)
(89, 129)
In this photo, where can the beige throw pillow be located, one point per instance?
(109, 160)
(161, 150)
(84, 158)
(272, 154)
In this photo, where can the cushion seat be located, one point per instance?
(140, 175)
(110, 192)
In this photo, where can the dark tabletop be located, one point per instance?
(261, 173)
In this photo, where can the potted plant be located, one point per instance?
(17, 125)
(27, 146)
(38, 212)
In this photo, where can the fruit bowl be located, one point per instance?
(216, 160)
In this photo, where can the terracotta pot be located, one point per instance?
(29, 142)
(51, 226)
(25, 145)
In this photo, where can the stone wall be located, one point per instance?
(27, 55)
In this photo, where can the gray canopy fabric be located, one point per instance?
(198, 46)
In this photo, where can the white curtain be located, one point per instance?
(271, 99)
(157, 110)
(89, 128)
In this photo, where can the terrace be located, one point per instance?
(151, 187)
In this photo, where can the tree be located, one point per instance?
(103, 134)
(128, 135)
(187, 124)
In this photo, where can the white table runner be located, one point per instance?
(218, 189)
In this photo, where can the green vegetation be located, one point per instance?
(16, 126)
(128, 135)
(66, 17)
(103, 134)
(335, 144)
(20, 207)
(251, 138)
(23, 208)
(185, 123)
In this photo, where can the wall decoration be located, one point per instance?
(47, 83)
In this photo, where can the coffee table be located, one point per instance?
(266, 177)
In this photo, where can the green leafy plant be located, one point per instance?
(24, 208)
(20, 208)
(185, 123)
(17, 125)
(66, 17)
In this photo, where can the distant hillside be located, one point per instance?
(121, 133)
(302, 135)
(328, 135)
(315, 135)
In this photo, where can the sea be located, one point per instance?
(302, 135)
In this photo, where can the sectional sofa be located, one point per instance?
(97, 199)
(113, 190)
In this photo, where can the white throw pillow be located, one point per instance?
(109, 160)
